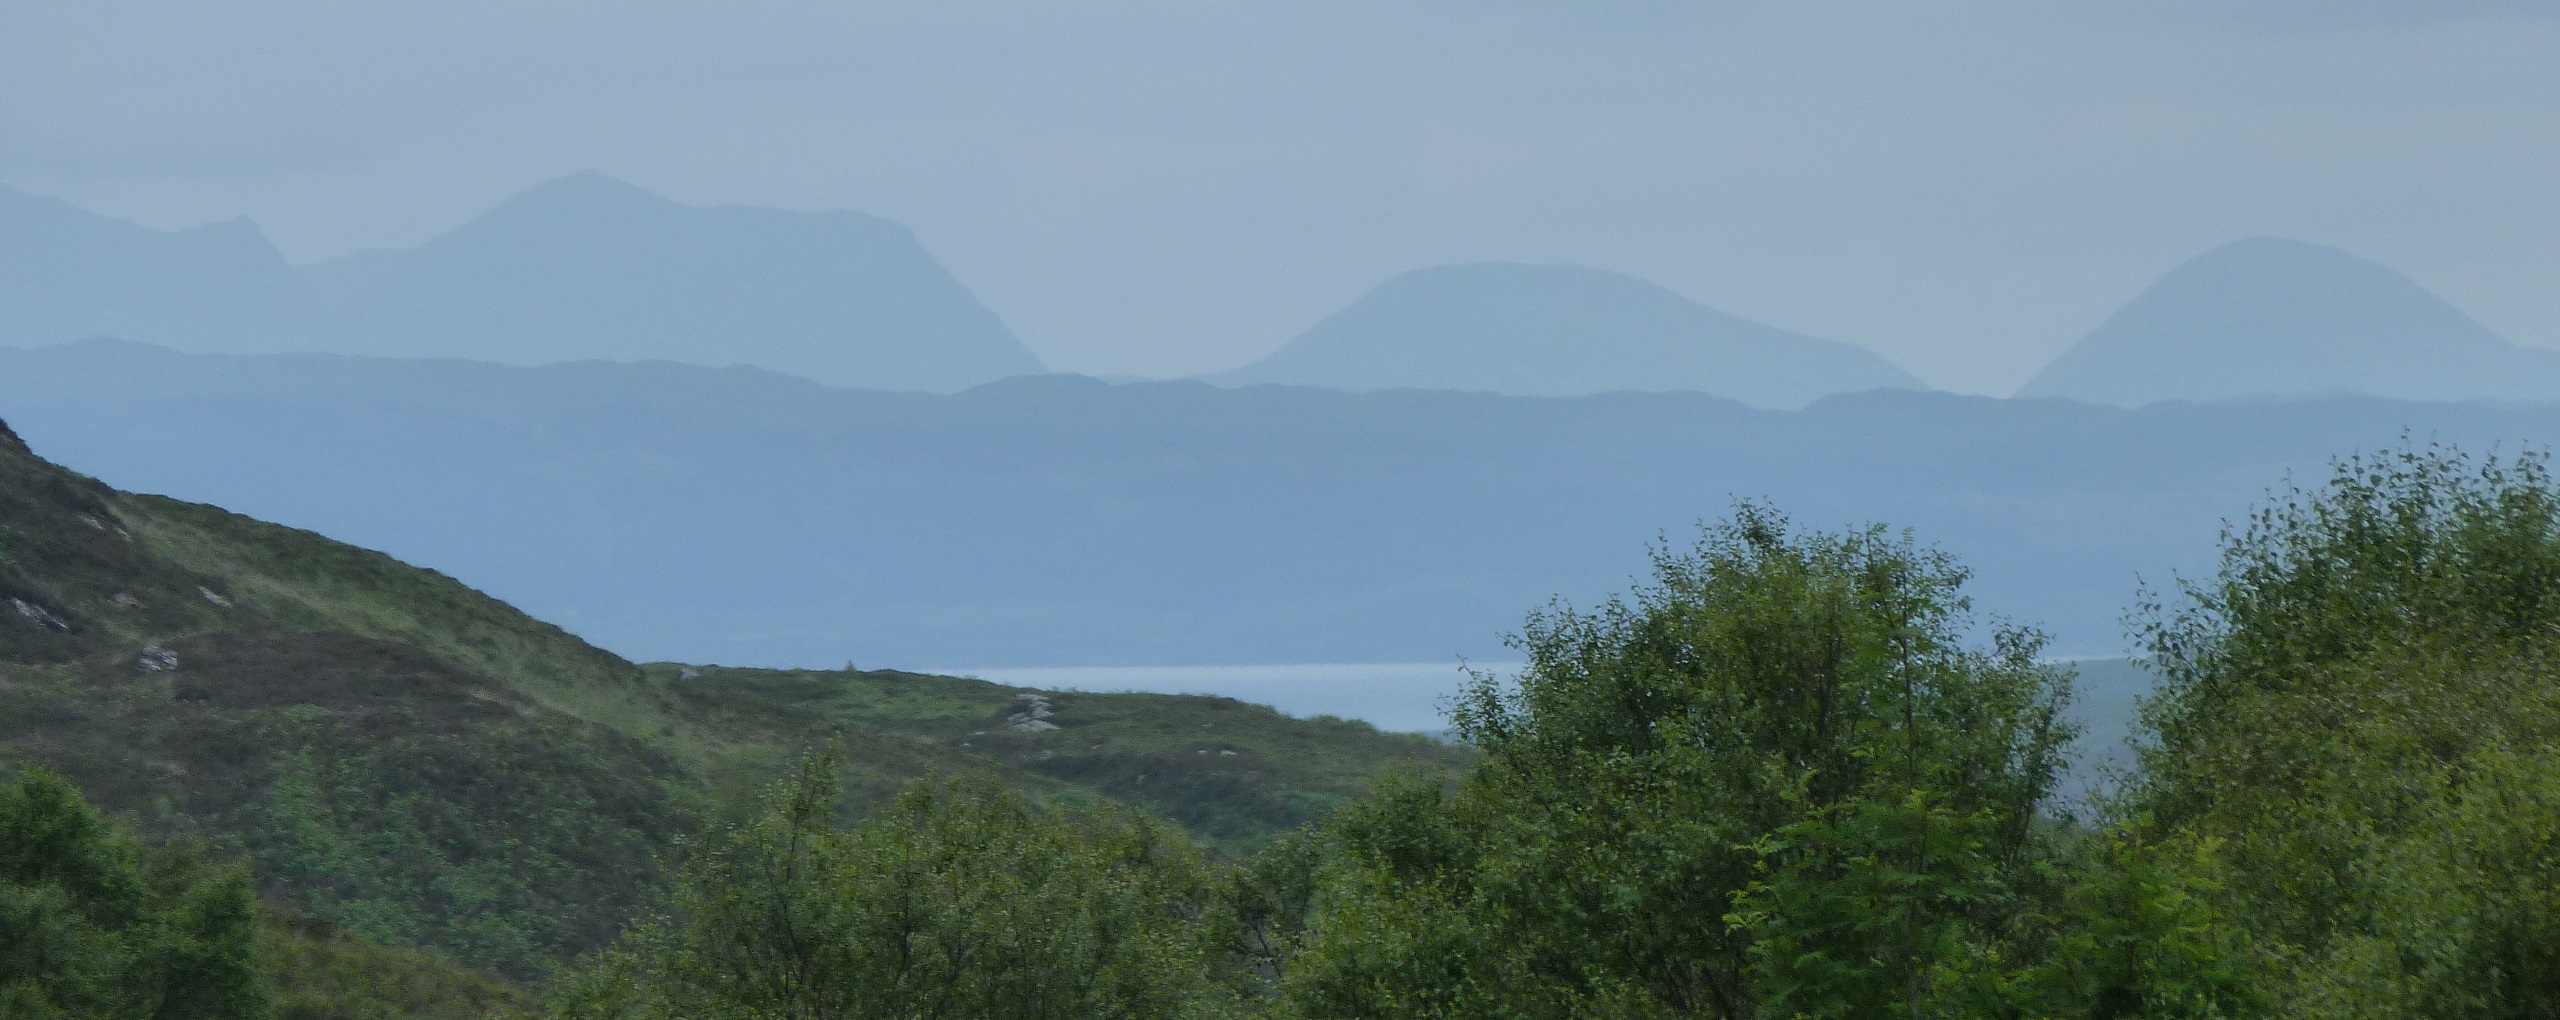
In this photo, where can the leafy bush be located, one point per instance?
(1777, 779)
(318, 971)
(2363, 708)
(91, 925)
(963, 900)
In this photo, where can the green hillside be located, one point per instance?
(1234, 774)
(416, 764)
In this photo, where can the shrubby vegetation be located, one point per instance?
(1775, 782)
(961, 900)
(1786, 779)
(1790, 776)
(2360, 711)
(96, 925)
(318, 971)
(1774, 778)
(442, 801)
(92, 925)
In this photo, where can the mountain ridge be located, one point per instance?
(581, 267)
(682, 513)
(588, 266)
(67, 273)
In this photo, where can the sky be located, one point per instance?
(1166, 187)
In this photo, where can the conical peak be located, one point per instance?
(2268, 316)
(2264, 263)
(586, 192)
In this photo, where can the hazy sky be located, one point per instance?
(1170, 187)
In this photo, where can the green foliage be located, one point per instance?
(2361, 710)
(373, 786)
(92, 926)
(320, 972)
(2459, 918)
(2138, 930)
(1777, 781)
(1269, 897)
(2412, 552)
(400, 842)
(962, 900)
(1872, 909)
(1776, 775)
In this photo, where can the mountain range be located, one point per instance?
(667, 511)
(67, 274)
(588, 267)
(585, 267)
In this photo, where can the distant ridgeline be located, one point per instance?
(1378, 490)
(707, 515)
(587, 267)
(419, 764)
(582, 267)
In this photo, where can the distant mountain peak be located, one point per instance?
(586, 189)
(1560, 330)
(581, 267)
(591, 180)
(589, 266)
(587, 208)
(2265, 245)
(2268, 272)
(2269, 316)
(67, 273)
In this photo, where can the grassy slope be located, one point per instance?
(1233, 773)
(375, 740)
(420, 764)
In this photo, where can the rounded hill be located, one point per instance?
(1560, 330)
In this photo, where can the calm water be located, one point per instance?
(1406, 697)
